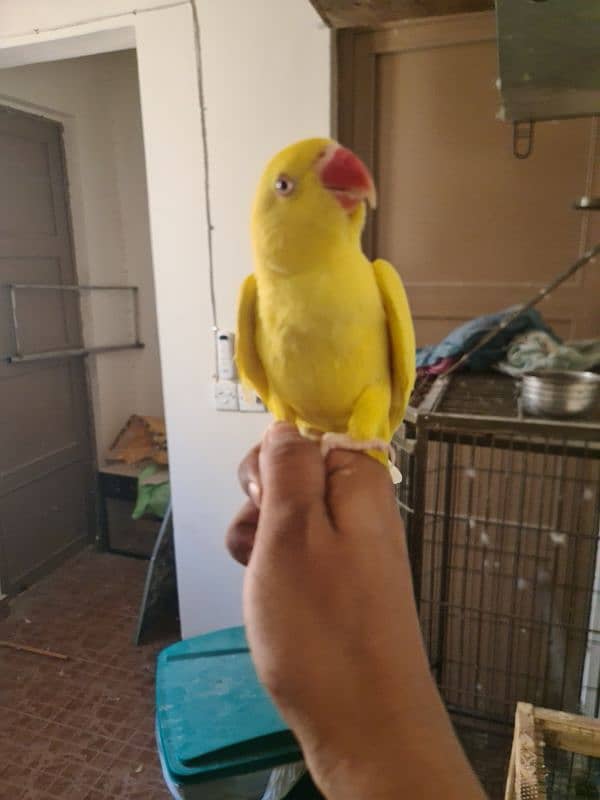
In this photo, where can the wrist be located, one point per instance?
(395, 754)
(359, 757)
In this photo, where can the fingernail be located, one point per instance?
(254, 492)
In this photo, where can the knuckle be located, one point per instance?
(295, 449)
(291, 522)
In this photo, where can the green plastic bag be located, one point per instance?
(152, 498)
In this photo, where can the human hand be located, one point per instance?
(332, 625)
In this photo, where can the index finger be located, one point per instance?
(359, 491)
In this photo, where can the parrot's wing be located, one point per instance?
(247, 359)
(401, 336)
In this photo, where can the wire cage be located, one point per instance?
(503, 516)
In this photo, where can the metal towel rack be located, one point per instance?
(19, 356)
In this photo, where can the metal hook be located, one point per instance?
(523, 131)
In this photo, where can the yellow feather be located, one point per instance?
(324, 336)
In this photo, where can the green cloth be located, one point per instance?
(152, 498)
(538, 350)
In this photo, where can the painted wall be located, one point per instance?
(266, 72)
(266, 66)
(122, 104)
(97, 100)
(271, 89)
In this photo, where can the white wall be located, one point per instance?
(97, 100)
(266, 67)
(122, 104)
(266, 76)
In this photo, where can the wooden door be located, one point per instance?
(470, 228)
(46, 456)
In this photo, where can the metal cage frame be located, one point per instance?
(502, 516)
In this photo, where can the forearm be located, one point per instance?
(333, 628)
(400, 742)
(418, 758)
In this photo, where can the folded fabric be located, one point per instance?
(538, 350)
(463, 338)
(436, 369)
(152, 498)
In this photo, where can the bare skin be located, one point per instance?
(332, 625)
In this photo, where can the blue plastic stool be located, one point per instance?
(218, 733)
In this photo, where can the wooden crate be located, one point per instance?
(536, 728)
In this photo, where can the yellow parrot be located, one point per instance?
(324, 336)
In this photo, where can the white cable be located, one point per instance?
(91, 20)
(209, 223)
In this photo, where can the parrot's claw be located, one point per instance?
(342, 441)
(309, 433)
(396, 475)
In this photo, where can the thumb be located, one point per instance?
(292, 472)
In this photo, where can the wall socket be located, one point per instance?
(226, 395)
(248, 400)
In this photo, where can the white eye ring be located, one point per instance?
(284, 185)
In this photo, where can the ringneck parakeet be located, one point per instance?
(324, 336)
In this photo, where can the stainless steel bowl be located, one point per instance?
(559, 393)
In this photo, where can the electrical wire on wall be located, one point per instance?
(207, 204)
(92, 20)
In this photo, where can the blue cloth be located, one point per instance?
(463, 338)
(538, 350)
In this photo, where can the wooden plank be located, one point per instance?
(509, 793)
(574, 740)
(36, 651)
(374, 13)
(431, 32)
(527, 757)
(570, 732)
(556, 720)
(346, 100)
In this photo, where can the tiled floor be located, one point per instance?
(80, 729)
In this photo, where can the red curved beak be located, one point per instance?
(344, 174)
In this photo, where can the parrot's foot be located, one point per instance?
(342, 441)
(395, 474)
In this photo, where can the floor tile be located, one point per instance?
(80, 729)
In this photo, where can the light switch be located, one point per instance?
(226, 396)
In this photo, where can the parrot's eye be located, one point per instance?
(284, 185)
